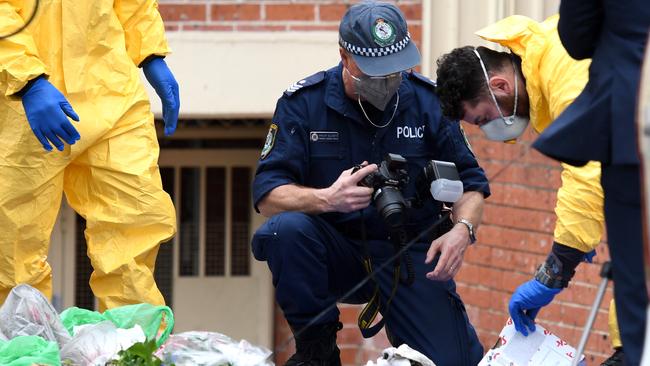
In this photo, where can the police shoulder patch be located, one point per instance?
(270, 141)
(469, 146)
(304, 83)
(423, 79)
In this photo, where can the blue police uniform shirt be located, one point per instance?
(317, 133)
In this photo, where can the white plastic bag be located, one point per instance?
(211, 349)
(26, 312)
(96, 344)
(539, 348)
(401, 356)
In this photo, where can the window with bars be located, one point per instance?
(214, 208)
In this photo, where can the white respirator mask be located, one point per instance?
(503, 128)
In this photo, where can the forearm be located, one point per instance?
(291, 197)
(469, 207)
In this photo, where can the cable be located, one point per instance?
(389, 261)
(27, 23)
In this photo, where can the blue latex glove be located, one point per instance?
(165, 85)
(589, 257)
(526, 302)
(47, 112)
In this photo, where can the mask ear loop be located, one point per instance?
(514, 69)
(507, 120)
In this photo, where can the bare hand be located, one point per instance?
(452, 247)
(345, 195)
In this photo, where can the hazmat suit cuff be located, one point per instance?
(28, 86)
(148, 59)
(17, 83)
(568, 257)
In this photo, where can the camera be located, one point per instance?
(439, 180)
(387, 183)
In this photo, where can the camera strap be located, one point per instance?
(371, 309)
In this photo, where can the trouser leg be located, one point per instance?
(311, 265)
(115, 185)
(623, 220)
(31, 185)
(429, 316)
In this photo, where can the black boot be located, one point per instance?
(616, 359)
(316, 346)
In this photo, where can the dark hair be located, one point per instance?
(460, 77)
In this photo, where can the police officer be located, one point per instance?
(369, 105)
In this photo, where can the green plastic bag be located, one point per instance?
(147, 316)
(29, 350)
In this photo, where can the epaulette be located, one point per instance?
(419, 77)
(304, 83)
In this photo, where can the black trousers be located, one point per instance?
(622, 188)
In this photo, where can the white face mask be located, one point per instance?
(377, 90)
(503, 128)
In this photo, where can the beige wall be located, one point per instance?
(451, 23)
(241, 74)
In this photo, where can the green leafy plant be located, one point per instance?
(139, 354)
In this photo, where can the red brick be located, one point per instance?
(313, 28)
(209, 27)
(235, 12)
(518, 217)
(522, 196)
(349, 356)
(348, 315)
(412, 12)
(182, 12)
(260, 28)
(349, 336)
(171, 27)
(416, 34)
(332, 12)
(290, 12)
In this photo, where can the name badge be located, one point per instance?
(324, 136)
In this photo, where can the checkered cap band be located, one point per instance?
(376, 52)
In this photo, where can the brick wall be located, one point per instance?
(518, 223)
(269, 15)
(515, 237)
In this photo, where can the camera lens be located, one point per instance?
(390, 204)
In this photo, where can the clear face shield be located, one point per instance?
(504, 128)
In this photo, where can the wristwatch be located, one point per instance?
(550, 274)
(470, 228)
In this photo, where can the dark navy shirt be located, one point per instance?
(318, 132)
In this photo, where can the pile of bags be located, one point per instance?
(31, 332)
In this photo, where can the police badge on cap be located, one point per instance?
(376, 35)
(383, 32)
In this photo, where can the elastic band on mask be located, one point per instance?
(508, 120)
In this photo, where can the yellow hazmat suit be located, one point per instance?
(553, 81)
(89, 49)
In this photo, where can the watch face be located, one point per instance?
(556, 270)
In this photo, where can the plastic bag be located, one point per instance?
(26, 312)
(29, 350)
(147, 316)
(211, 349)
(402, 356)
(96, 344)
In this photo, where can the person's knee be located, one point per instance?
(283, 232)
